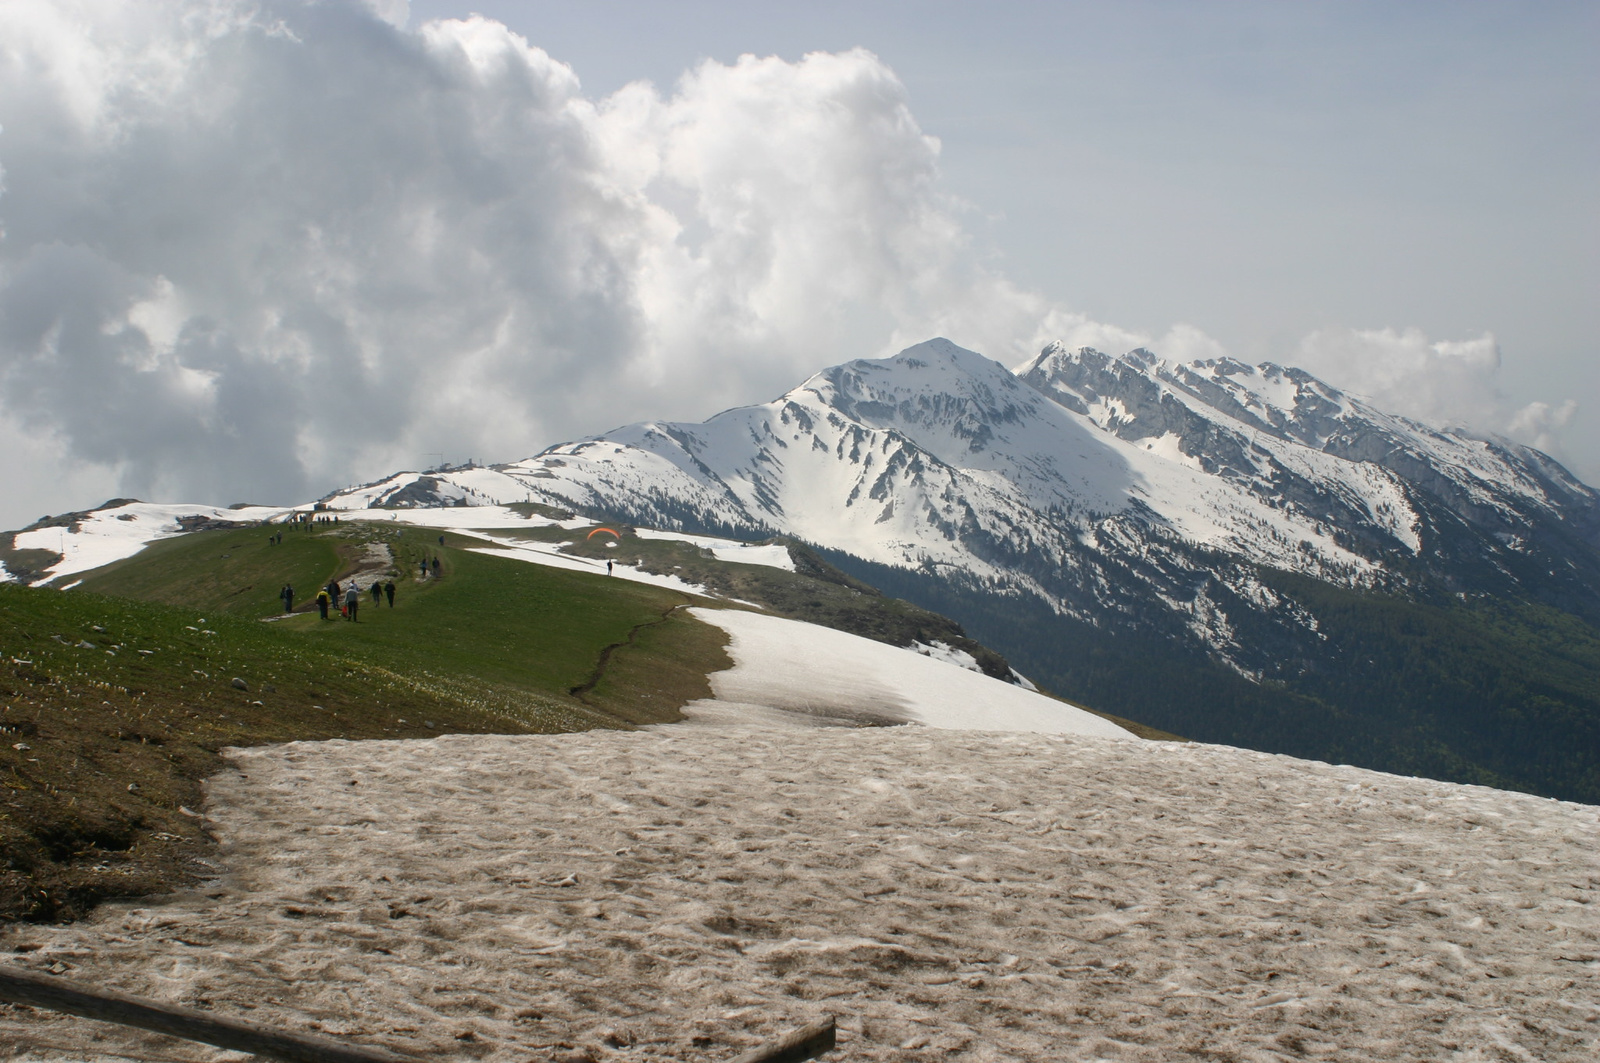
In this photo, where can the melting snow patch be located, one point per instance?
(943, 651)
(549, 555)
(987, 896)
(773, 555)
(823, 676)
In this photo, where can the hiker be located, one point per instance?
(377, 592)
(424, 568)
(608, 568)
(287, 594)
(322, 603)
(388, 592)
(441, 540)
(436, 568)
(352, 601)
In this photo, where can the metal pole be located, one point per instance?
(18, 986)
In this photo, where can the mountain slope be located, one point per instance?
(1145, 515)
(116, 695)
(1112, 489)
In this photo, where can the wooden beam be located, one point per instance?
(18, 986)
(805, 1043)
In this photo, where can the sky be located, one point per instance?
(255, 250)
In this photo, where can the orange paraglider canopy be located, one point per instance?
(597, 531)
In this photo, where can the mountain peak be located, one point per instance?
(943, 355)
(1065, 477)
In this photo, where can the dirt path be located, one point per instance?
(375, 561)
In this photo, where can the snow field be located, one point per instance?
(772, 555)
(810, 675)
(112, 534)
(684, 893)
(550, 555)
(457, 518)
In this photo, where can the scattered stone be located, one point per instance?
(240, 684)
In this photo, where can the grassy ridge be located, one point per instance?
(233, 572)
(120, 706)
(814, 592)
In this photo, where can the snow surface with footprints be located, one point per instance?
(687, 892)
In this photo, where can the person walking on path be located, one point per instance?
(424, 568)
(608, 567)
(377, 592)
(287, 594)
(322, 603)
(388, 592)
(436, 568)
(352, 601)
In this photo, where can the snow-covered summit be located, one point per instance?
(1117, 489)
(1258, 422)
(1092, 481)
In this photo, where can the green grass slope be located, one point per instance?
(815, 592)
(234, 572)
(113, 709)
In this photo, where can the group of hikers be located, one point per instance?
(347, 598)
(330, 596)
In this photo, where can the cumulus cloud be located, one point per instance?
(257, 249)
(1452, 382)
(260, 249)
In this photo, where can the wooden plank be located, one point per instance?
(805, 1043)
(18, 986)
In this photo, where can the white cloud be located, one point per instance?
(41, 476)
(260, 248)
(1454, 382)
(1540, 424)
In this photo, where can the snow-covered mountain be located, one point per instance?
(1121, 491)
(1236, 553)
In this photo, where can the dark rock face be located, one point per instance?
(199, 522)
